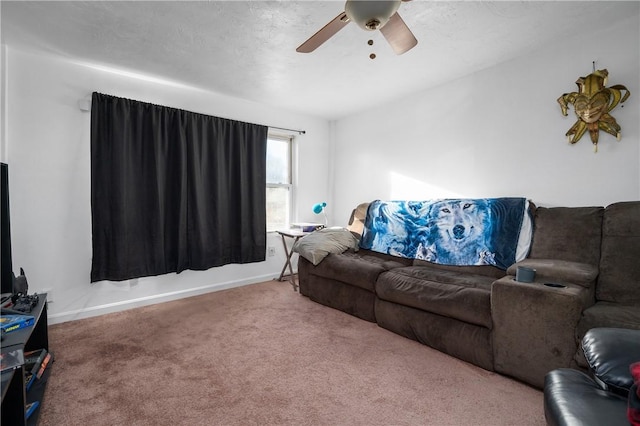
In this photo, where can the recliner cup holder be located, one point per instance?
(555, 285)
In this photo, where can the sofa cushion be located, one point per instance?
(609, 353)
(619, 279)
(360, 269)
(567, 233)
(486, 270)
(457, 295)
(347, 298)
(605, 314)
(468, 342)
(561, 271)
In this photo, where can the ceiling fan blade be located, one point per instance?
(398, 35)
(324, 34)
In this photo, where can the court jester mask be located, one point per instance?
(592, 104)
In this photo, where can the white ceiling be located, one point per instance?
(246, 49)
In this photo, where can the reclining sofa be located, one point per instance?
(587, 262)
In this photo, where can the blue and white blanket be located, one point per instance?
(485, 231)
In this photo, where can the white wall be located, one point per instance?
(48, 147)
(499, 132)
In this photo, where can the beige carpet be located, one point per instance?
(265, 355)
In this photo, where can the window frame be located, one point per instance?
(290, 186)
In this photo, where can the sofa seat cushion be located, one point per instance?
(457, 295)
(605, 314)
(486, 270)
(571, 397)
(360, 269)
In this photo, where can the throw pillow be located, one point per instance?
(318, 245)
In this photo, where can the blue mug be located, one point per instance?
(525, 275)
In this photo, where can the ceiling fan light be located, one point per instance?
(371, 14)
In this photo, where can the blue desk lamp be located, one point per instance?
(320, 208)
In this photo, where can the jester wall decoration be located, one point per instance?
(592, 104)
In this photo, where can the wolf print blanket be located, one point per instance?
(485, 231)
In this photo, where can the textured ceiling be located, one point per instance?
(246, 49)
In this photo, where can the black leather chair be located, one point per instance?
(572, 397)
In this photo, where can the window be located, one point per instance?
(279, 181)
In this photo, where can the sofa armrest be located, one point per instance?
(562, 271)
(534, 327)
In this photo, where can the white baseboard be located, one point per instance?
(151, 300)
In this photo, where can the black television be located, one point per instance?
(7, 263)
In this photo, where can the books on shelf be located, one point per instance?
(31, 407)
(9, 323)
(29, 378)
(32, 362)
(36, 363)
(33, 359)
(44, 365)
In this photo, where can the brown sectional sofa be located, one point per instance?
(480, 314)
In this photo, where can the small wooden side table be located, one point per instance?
(295, 235)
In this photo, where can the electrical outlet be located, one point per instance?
(271, 251)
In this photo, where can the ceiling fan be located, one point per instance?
(369, 15)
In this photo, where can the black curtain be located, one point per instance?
(173, 190)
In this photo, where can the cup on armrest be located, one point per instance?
(525, 275)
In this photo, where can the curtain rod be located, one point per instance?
(300, 132)
(85, 105)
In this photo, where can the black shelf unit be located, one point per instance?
(14, 396)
